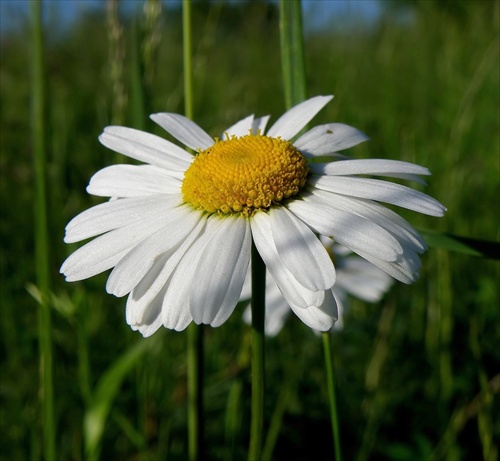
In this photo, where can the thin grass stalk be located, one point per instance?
(116, 62)
(137, 96)
(188, 58)
(41, 234)
(294, 84)
(195, 392)
(292, 52)
(276, 422)
(327, 347)
(258, 383)
(195, 332)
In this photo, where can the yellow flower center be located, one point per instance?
(242, 175)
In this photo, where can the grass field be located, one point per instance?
(417, 375)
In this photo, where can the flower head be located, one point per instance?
(178, 230)
(355, 276)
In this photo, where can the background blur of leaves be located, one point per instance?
(417, 374)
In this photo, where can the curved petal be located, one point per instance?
(105, 251)
(221, 272)
(151, 319)
(376, 167)
(241, 128)
(378, 214)
(406, 177)
(329, 138)
(296, 118)
(176, 306)
(301, 251)
(116, 213)
(348, 229)
(133, 181)
(154, 284)
(134, 266)
(383, 191)
(403, 269)
(320, 318)
(362, 279)
(145, 147)
(292, 290)
(184, 129)
(259, 124)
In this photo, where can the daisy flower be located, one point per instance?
(354, 276)
(179, 229)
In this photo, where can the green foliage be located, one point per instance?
(416, 375)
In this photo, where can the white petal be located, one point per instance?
(319, 318)
(342, 302)
(241, 128)
(292, 290)
(145, 147)
(176, 308)
(378, 214)
(151, 319)
(296, 118)
(329, 138)
(183, 129)
(371, 166)
(259, 124)
(221, 272)
(133, 181)
(350, 230)
(134, 266)
(301, 251)
(375, 189)
(105, 251)
(246, 290)
(117, 213)
(154, 284)
(362, 279)
(406, 177)
(402, 269)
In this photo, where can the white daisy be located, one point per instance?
(355, 276)
(178, 233)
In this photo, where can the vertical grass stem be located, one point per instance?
(195, 332)
(327, 347)
(188, 58)
(41, 233)
(258, 388)
(292, 52)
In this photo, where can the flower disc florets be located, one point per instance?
(244, 174)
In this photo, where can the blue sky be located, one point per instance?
(317, 13)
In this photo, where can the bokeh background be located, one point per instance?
(417, 374)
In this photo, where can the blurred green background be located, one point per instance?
(417, 374)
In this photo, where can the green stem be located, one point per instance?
(258, 316)
(292, 52)
(195, 391)
(188, 58)
(41, 234)
(327, 347)
(195, 332)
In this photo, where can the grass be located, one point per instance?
(416, 375)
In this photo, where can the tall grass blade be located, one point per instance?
(292, 52)
(41, 234)
(107, 388)
(465, 245)
(330, 379)
(258, 356)
(195, 332)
